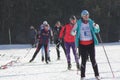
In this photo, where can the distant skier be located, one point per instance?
(32, 36)
(86, 30)
(44, 40)
(56, 33)
(69, 41)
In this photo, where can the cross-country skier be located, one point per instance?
(69, 41)
(44, 40)
(42, 49)
(56, 32)
(86, 39)
(32, 36)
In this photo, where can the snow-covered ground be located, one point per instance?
(56, 70)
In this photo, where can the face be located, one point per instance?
(73, 21)
(46, 27)
(58, 24)
(31, 27)
(85, 17)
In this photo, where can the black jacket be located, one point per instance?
(56, 32)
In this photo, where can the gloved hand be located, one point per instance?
(96, 25)
(73, 32)
(60, 40)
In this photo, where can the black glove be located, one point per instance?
(59, 40)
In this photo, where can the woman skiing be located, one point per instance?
(86, 39)
(44, 40)
(69, 41)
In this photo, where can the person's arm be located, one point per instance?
(62, 32)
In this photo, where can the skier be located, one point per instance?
(44, 40)
(56, 32)
(85, 30)
(42, 49)
(69, 41)
(32, 36)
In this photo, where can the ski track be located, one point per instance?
(56, 70)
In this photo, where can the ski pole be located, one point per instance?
(57, 45)
(27, 52)
(106, 55)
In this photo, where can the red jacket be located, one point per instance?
(66, 33)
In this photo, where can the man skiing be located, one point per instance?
(56, 32)
(85, 30)
(69, 41)
(43, 41)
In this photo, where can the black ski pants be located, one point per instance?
(85, 51)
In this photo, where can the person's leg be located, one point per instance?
(79, 53)
(83, 60)
(75, 55)
(36, 52)
(93, 60)
(35, 43)
(63, 46)
(32, 42)
(42, 53)
(46, 53)
(67, 48)
(57, 49)
(74, 52)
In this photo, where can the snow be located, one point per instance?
(56, 69)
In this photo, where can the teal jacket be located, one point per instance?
(92, 28)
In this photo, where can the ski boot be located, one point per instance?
(69, 66)
(97, 77)
(49, 59)
(31, 60)
(78, 66)
(42, 59)
(58, 58)
(46, 62)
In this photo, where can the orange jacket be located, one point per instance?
(66, 33)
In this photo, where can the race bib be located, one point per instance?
(85, 34)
